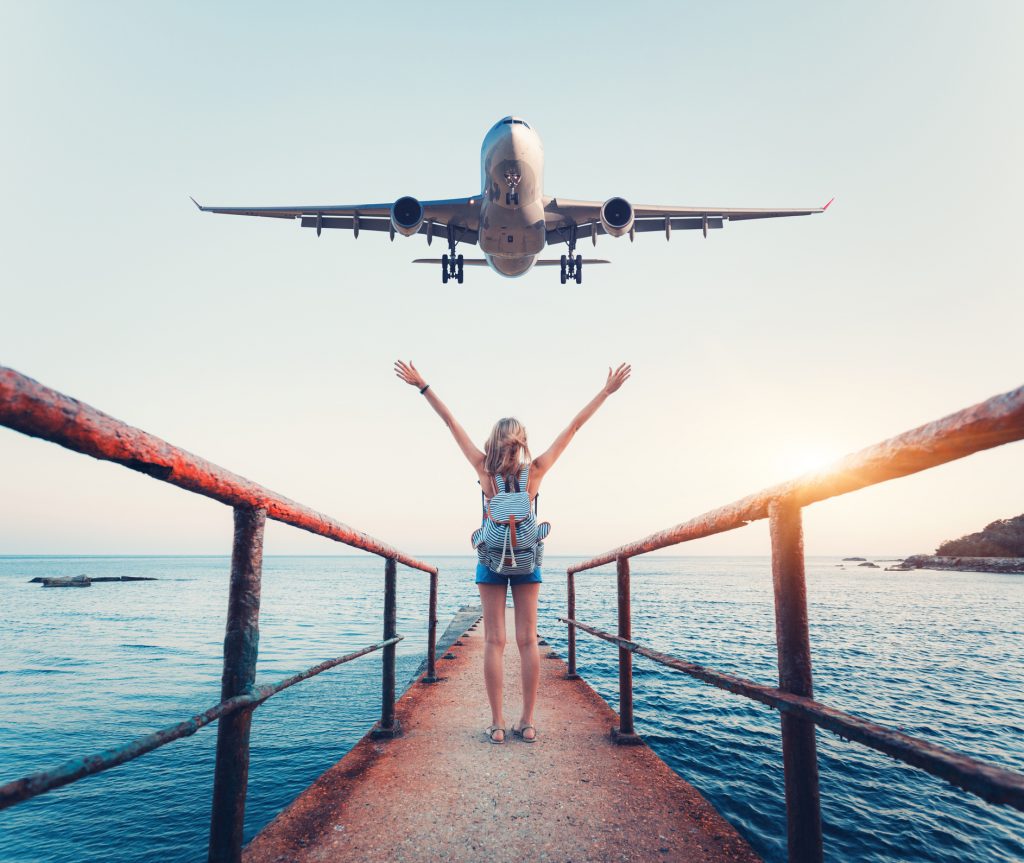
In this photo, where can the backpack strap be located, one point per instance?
(499, 482)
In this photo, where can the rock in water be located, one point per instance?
(868, 563)
(59, 581)
(961, 564)
(68, 581)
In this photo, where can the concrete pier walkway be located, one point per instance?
(442, 792)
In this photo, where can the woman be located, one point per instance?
(504, 456)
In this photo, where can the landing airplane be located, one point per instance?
(511, 219)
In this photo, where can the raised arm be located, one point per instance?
(407, 372)
(542, 464)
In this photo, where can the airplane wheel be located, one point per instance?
(564, 262)
(579, 269)
(562, 275)
(444, 269)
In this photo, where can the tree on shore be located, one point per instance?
(1003, 538)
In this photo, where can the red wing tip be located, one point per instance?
(830, 200)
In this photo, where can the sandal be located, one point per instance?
(491, 729)
(519, 732)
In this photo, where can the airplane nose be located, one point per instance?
(517, 138)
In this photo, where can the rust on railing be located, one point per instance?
(46, 780)
(33, 409)
(992, 784)
(991, 423)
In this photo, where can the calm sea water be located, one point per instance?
(939, 655)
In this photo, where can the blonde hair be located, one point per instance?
(506, 450)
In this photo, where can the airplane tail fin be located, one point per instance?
(554, 263)
(481, 262)
(469, 262)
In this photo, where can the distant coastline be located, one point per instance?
(960, 564)
(997, 548)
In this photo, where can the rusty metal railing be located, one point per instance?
(991, 423)
(33, 409)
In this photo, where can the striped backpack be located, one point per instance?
(510, 540)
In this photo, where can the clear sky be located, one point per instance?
(757, 353)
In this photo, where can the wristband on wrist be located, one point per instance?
(425, 388)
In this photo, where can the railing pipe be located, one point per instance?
(799, 748)
(624, 733)
(570, 589)
(431, 675)
(991, 423)
(995, 785)
(241, 644)
(33, 409)
(388, 725)
(42, 781)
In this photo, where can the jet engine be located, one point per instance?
(617, 216)
(406, 216)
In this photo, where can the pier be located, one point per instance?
(424, 783)
(440, 791)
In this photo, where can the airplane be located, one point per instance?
(511, 219)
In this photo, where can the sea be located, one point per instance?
(939, 655)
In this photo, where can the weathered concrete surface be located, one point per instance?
(442, 792)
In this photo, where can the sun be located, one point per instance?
(806, 459)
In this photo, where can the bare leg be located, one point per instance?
(524, 597)
(492, 597)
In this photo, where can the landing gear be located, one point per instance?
(451, 264)
(572, 264)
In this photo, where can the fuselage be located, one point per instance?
(512, 229)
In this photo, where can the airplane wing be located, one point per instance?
(563, 214)
(461, 214)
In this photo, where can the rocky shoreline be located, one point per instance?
(960, 564)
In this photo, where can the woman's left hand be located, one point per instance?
(407, 372)
(617, 378)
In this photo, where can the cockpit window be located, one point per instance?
(510, 121)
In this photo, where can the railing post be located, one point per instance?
(624, 734)
(431, 675)
(388, 726)
(241, 642)
(799, 750)
(570, 587)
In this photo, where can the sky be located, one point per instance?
(763, 351)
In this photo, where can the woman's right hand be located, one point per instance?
(617, 378)
(407, 372)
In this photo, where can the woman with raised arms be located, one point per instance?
(510, 542)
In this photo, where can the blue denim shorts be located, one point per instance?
(485, 575)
